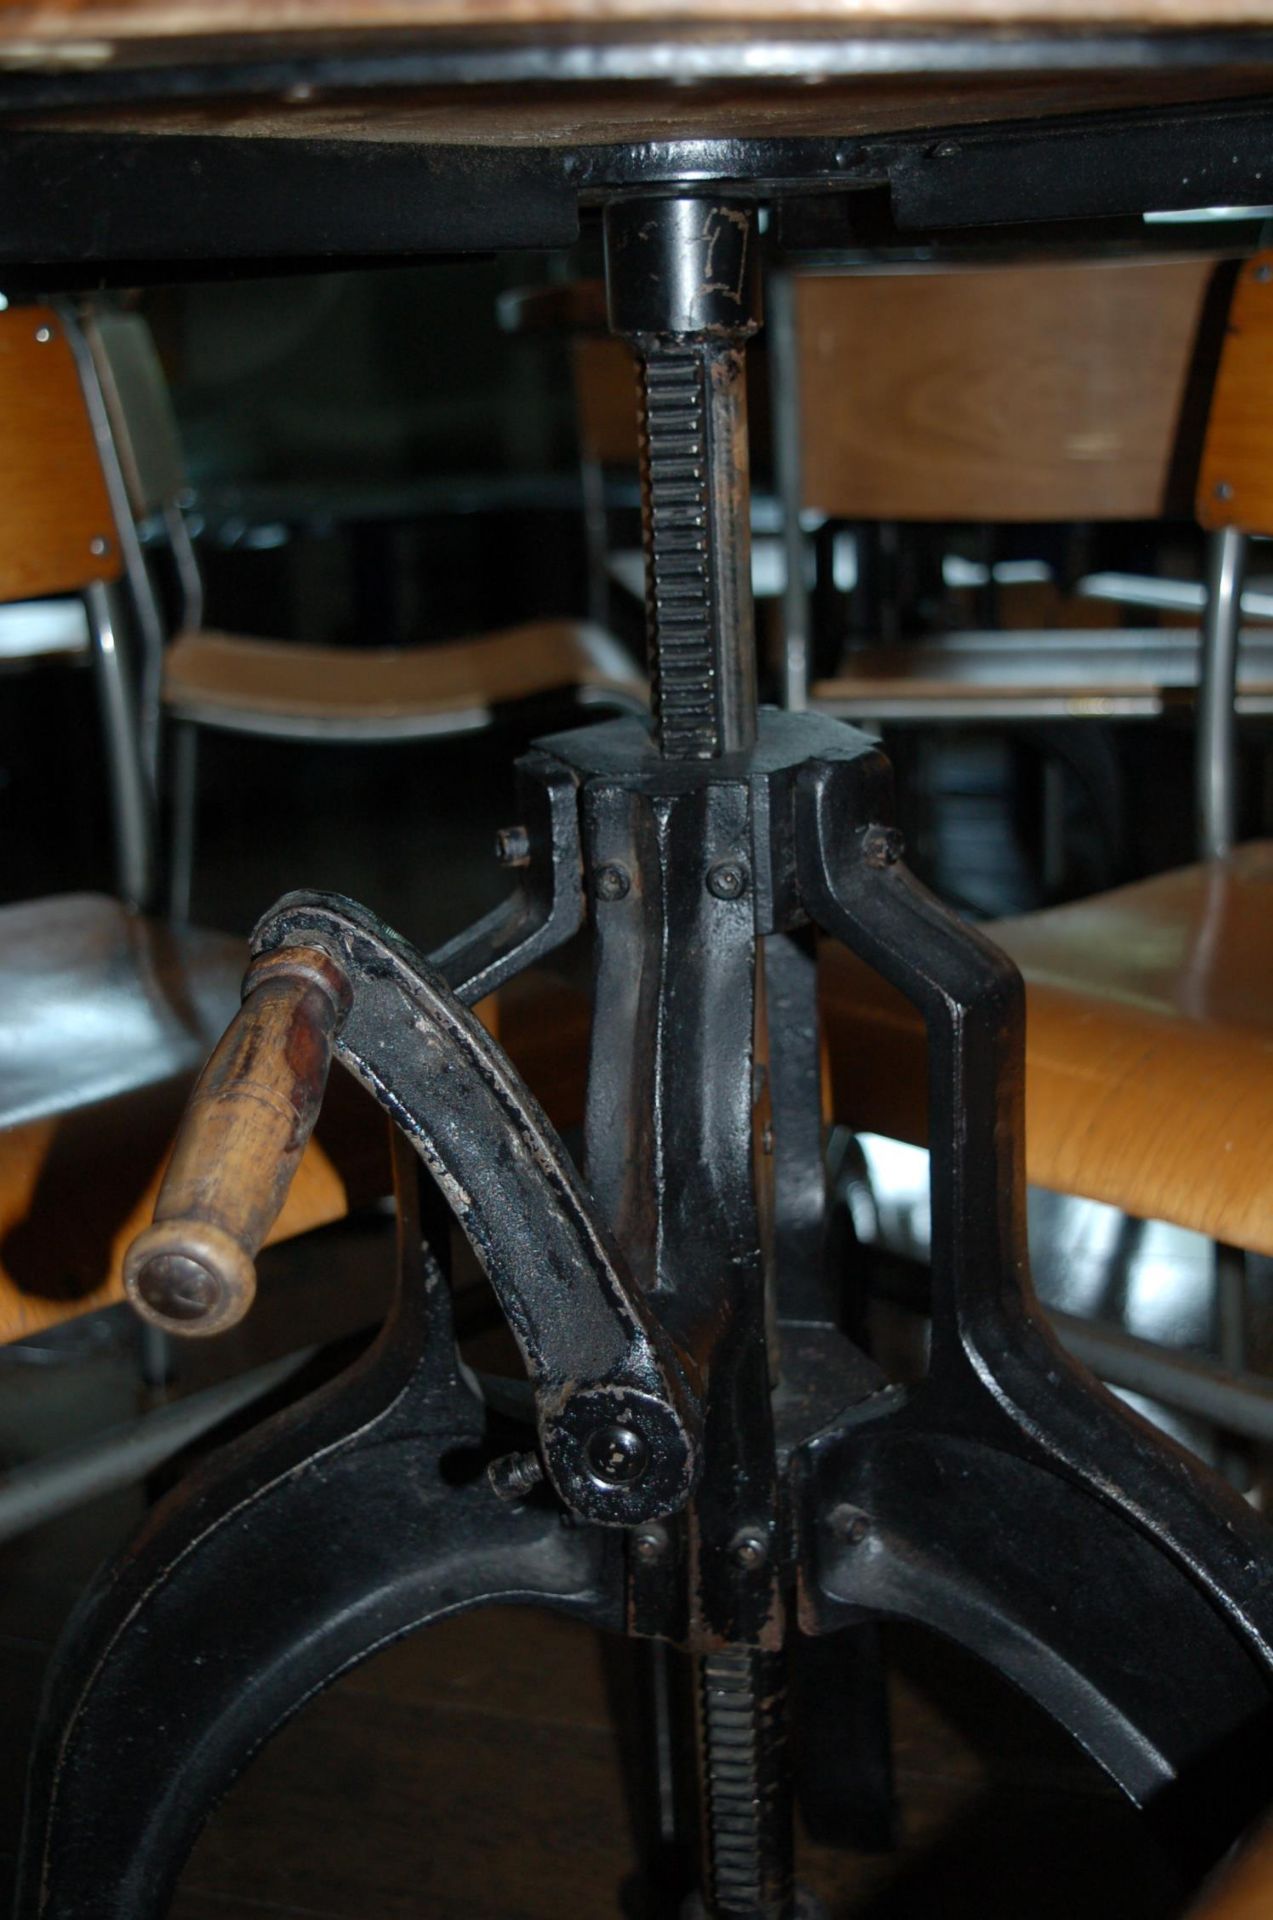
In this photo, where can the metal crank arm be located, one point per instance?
(346, 1522)
(1011, 1501)
(618, 1424)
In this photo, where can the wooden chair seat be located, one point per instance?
(1149, 1047)
(269, 686)
(1018, 675)
(1243, 1889)
(105, 1019)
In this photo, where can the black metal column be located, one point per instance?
(682, 284)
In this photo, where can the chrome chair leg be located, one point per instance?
(1217, 720)
(185, 799)
(132, 798)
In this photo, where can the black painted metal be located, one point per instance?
(683, 285)
(1008, 1502)
(90, 203)
(348, 1521)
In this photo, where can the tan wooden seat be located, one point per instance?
(245, 684)
(105, 1019)
(1000, 676)
(222, 679)
(1243, 1889)
(1149, 1047)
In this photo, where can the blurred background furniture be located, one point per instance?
(323, 694)
(63, 561)
(1152, 1000)
(106, 1014)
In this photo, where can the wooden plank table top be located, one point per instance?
(51, 22)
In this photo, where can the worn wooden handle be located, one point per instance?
(241, 1138)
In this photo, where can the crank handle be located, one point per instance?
(241, 1138)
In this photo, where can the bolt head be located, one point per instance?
(727, 880)
(179, 1288)
(611, 882)
(882, 846)
(512, 846)
(849, 1524)
(99, 546)
(616, 1456)
(1223, 490)
(749, 1549)
(649, 1544)
(44, 335)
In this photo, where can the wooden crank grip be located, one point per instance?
(241, 1138)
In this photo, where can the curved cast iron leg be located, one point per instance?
(1011, 1501)
(350, 1520)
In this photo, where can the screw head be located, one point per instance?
(99, 546)
(611, 882)
(512, 846)
(179, 1288)
(946, 150)
(1263, 272)
(616, 1456)
(44, 335)
(882, 846)
(1223, 490)
(849, 1524)
(727, 880)
(649, 1544)
(749, 1549)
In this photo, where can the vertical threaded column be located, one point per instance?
(680, 283)
(746, 1788)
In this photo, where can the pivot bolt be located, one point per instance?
(611, 882)
(849, 1524)
(650, 1544)
(749, 1549)
(727, 880)
(616, 1456)
(882, 846)
(512, 846)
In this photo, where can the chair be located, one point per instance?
(1028, 394)
(287, 691)
(105, 1015)
(1150, 1032)
(61, 556)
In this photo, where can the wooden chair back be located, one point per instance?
(1002, 394)
(138, 403)
(57, 530)
(1235, 478)
(605, 399)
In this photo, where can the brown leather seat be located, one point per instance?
(1149, 1047)
(105, 1019)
